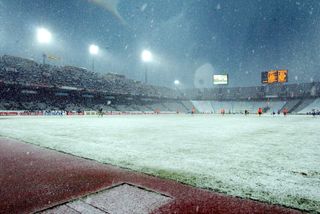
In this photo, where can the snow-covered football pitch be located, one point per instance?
(270, 159)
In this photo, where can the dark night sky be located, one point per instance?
(238, 37)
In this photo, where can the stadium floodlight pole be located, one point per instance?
(44, 37)
(177, 84)
(44, 57)
(93, 50)
(92, 65)
(146, 57)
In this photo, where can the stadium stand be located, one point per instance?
(17, 70)
(29, 86)
(313, 106)
(275, 106)
(303, 103)
(237, 107)
(176, 106)
(187, 104)
(291, 105)
(203, 106)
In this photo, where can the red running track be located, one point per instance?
(34, 178)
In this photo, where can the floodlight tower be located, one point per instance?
(146, 57)
(177, 84)
(93, 50)
(44, 36)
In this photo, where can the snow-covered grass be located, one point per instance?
(272, 159)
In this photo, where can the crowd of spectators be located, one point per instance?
(52, 102)
(22, 71)
(33, 99)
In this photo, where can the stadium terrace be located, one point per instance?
(28, 86)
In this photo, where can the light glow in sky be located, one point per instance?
(44, 36)
(146, 56)
(93, 49)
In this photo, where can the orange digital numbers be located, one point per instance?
(282, 76)
(274, 76)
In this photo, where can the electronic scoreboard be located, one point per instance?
(274, 76)
(220, 79)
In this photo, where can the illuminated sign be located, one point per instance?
(220, 79)
(274, 76)
(283, 76)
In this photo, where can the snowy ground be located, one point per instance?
(272, 159)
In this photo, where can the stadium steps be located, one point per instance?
(291, 105)
(314, 106)
(188, 109)
(183, 107)
(175, 106)
(301, 105)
